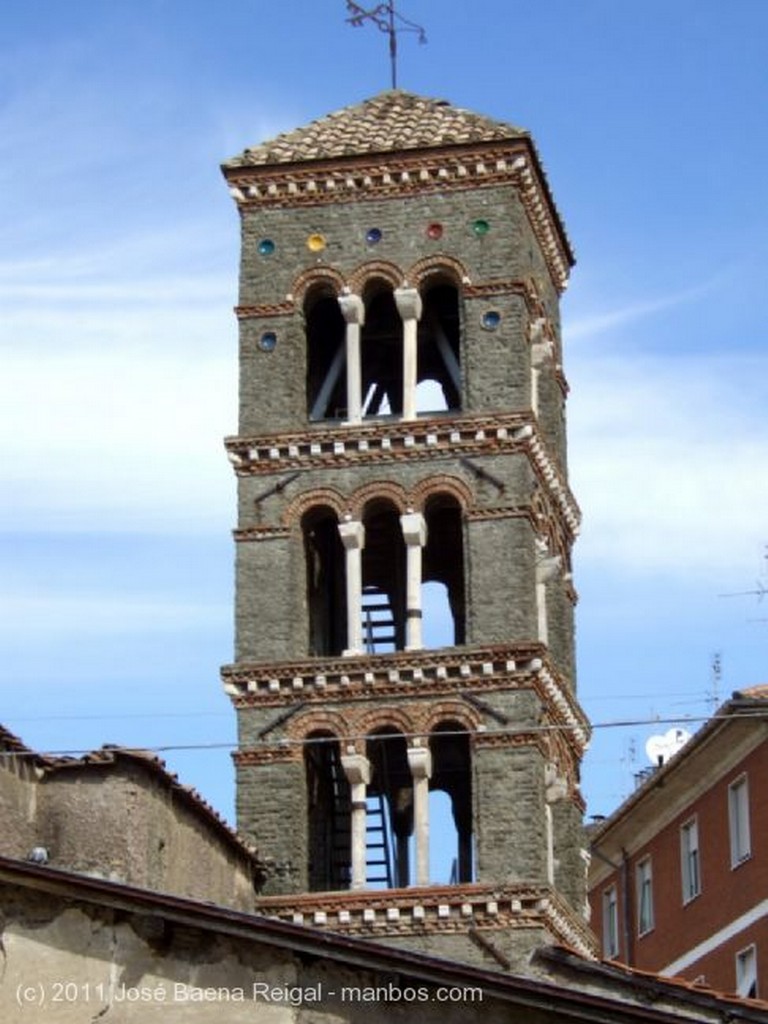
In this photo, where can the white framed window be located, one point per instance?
(738, 820)
(610, 923)
(746, 972)
(689, 860)
(644, 881)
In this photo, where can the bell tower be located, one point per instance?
(404, 665)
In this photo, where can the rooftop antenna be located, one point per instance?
(717, 678)
(760, 591)
(389, 20)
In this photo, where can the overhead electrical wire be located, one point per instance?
(756, 713)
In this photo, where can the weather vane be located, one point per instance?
(386, 19)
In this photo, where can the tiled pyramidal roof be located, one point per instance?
(392, 121)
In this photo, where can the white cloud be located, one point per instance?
(668, 459)
(588, 325)
(104, 613)
(112, 441)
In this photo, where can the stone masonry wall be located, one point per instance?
(570, 842)
(18, 804)
(272, 811)
(272, 615)
(496, 365)
(124, 825)
(509, 811)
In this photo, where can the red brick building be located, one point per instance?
(679, 874)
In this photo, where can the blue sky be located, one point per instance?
(118, 269)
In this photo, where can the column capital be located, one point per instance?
(414, 527)
(352, 534)
(352, 309)
(548, 568)
(357, 768)
(408, 302)
(420, 762)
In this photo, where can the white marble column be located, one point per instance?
(352, 535)
(357, 769)
(408, 303)
(420, 763)
(547, 569)
(353, 311)
(541, 351)
(414, 529)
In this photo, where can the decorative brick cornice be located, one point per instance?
(436, 910)
(506, 741)
(268, 755)
(400, 175)
(266, 309)
(502, 512)
(416, 274)
(414, 675)
(256, 533)
(337, 446)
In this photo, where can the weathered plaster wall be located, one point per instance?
(78, 963)
(120, 821)
(18, 805)
(127, 825)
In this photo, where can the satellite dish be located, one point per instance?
(660, 748)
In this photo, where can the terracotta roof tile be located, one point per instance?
(759, 692)
(392, 121)
(10, 742)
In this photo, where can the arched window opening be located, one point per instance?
(382, 353)
(328, 814)
(389, 812)
(451, 773)
(443, 562)
(430, 397)
(439, 351)
(326, 355)
(437, 618)
(383, 563)
(326, 593)
(443, 839)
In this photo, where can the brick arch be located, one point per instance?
(456, 711)
(443, 484)
(322, 496)
(301, 725)
(423, 269)
(386, 489)
(381, 269)
(317, 275)
(384, 717)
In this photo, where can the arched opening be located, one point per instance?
(328, 814)
(439, 350)
(430, 397)
(443, 563)
(381, 352)
(326, 354)
(437, 618)
(451, 773)
(389, 813)
(443, 839)
(326, 593)
(383, 566)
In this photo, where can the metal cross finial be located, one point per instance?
(386, 19)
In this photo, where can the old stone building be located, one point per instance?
(78, 949)
(118, 814)
(402, 429)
